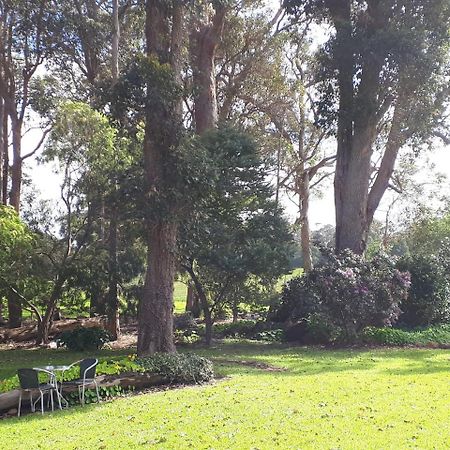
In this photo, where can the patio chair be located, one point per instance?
(29, 382)
(87, 378)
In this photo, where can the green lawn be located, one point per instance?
(179, 297)
(343, 399)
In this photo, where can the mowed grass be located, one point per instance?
(179, 297)
(322, 399)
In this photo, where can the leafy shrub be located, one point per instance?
(184, 321)
(346, 294)
(241, 328)
(184, 337)
(178, 367)
(275, 335)
(83, 339)
(436, 336)
(386, 336)
(428, 302)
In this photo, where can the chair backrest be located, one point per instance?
(28, 378)
(88, 367)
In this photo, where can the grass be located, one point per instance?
(342, 399)
(179, 297)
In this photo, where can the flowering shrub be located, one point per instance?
(348, 294)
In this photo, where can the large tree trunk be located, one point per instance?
(156, 308)
(204, 43)
(113, 299)
(16, 169)
(155, 333)
(2, 115)
(305, 240)
(5, 153)
(14, 311)
(115, 42)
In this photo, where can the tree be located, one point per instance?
(387, 58)
(15, 247)
(236, 232)
(84, 144)
(164, 33)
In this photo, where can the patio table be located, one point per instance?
(52, 372)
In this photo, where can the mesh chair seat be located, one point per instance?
(87, 378)
(29, 382)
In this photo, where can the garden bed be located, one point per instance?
(138, 381)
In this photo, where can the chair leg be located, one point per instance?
(33, 409)
(79, 395)
(96, 390)
(82, 394)
(42, 402)
(51, 399)
(20, 404)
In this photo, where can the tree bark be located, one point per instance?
(192, 301)
(204, 42)
(45, 325)
(4, 150)
(2, 115)
(115, 41)
(305, 232)
(155, 316)
(113, 300)
(204, 304)
(14, 311)
(16, 169)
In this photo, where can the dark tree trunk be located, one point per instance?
(45, 324)
(204, 42)
(4, 151)
(156, 308)
(207, 314)
(14, 311)
(192, 301)
(113, 324)
(2, 115)
(163, 29)
(16, 169)
(305, 234)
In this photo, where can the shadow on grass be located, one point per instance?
(309, 361)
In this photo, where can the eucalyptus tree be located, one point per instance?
(266, 86)
(384, 59)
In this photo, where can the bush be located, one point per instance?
(84, 339)
(345, 295)
(184, 321)
(428, 302)
(241, 328)
(179, 367)
(434, 336)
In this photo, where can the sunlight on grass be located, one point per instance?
(342, 399)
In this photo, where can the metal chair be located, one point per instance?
(87, 378)
(29, 382)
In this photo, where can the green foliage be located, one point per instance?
(84, 339)
(432, 336)
(239, 329)
(236, 241)
(347, 294)
(179, 367)
(428, 301)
